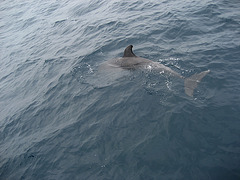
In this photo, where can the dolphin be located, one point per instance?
(131, 61)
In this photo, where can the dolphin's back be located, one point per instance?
(133, 62)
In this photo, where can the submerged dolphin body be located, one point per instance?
(131, 61)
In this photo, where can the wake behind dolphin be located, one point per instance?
(131, 61)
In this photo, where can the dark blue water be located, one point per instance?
(62, 119)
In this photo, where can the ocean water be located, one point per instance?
(60, 118)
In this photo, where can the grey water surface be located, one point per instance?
(63, 118)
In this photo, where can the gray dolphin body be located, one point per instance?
(131, 61)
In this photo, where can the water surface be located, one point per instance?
(60, 118)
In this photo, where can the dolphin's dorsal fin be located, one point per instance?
(128, 52)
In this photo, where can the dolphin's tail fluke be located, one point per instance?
(191, 82)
